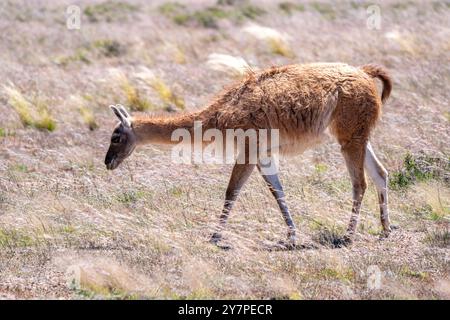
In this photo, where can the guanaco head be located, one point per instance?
(123, 139)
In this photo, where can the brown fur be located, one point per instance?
(379, 72)
(292, 99)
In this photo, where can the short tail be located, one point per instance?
(381, 73)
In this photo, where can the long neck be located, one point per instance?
(158, 130)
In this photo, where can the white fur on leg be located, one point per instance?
(373, 167)
(378, 174)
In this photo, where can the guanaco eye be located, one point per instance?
(115, 139)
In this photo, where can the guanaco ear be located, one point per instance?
(123, 111)
(122, 114)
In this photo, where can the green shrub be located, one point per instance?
(406, 271)
(20, 168)
(419, 168)
(15, 239)
(92, 51)
(130, 197)
(109, 48)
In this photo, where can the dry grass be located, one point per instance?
(88, 117)
(233, 66)
(277, 42)
(70, 229)
(31, 114)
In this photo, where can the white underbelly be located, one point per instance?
(297, 145)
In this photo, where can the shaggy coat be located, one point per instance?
(302, 102)
(299, 100)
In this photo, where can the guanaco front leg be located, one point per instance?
(273, 182)
(239, 176)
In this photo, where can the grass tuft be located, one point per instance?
(93, 51)
(80, 55)
(44, 120)
(34, 115)
(133, 96)
(332, 237)
(209, 17)
(20, 168)
(20, 105)
(109, 48)
(280, 47)
(166, 94)
(290, 7)
(108, 11)
(171, 8)
(15, 239)
(438, 238)
(130, 197)
(88, 117)
(4, 132)
(250, 11)
(276, 41)
(426, 211)
(346, 275)
(179, 56)
(406, 271)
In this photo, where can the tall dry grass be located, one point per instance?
(70, 229)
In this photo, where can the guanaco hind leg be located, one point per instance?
(354, 153)
(379, 175)
(357, 157)
(239, 176)
(273, 182)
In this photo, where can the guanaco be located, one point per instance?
(304, 102)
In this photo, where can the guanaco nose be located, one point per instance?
(110, 161)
